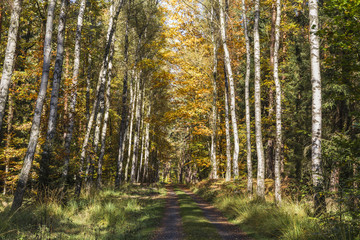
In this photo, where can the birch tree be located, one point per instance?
(124, 112)
(227, 131)
(9, 60)
(260, 190)
(247, 103)
(317, 175)
(73, 98)
(100, 87)
(35, 127)
(278, 105)
(227, 61)
(51, 129)
(214, 95)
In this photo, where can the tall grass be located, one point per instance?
(264, 220)
(133, 212)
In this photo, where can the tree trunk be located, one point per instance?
(147, 146)
(99, 88)
(317, 175)
(125, 111)
(260, 188)
(138, 115)
(214, 169)
(35, 128)
(51, 128)
(106, 119)
(132, 104)
(227, 62)
(9, 60)
(8, 140)
(247, 103)
(227, 130)
(278, 145)
(73, 97)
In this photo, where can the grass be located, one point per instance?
(265, 220)
(133, 212)
(195, 225)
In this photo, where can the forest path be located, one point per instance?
(171, 223)
(226, 230)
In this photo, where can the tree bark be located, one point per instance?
(106, 119)
(247, 102)
(260, 188)
(147, 146)
(213, 119)
(278, 145)
(227, 61)
(9, 61)
(35, 128)
(51, 128)
(317, 174)
(125, 111)
(8, 140)
(132, 104)
(227, 131)
(73, 98)
(100, 87)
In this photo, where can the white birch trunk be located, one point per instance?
(35, 127)
(260, 189)
(278, 105)
(142, 139)
(73, 98)
(106, 119)
(317, 175)
(9, 60)
(147, 146)
(227, 62)
(51, 129)
(247, 102)
(227, 131)
(213, 119)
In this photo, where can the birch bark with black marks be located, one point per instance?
(247, 102)
(278, 144)
(73, 96)
(51, 128)
(227, 131)
(317, 172)
(142, 139)
(130, 131)
(213, 119)
(35, 127)
(260, 189)
(99, 87)
(9, 61)
(227, 63)
(106, 118)
(124, 112)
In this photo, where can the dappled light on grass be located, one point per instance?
(131, 213)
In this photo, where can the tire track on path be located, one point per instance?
(171, 228)
(226, 230)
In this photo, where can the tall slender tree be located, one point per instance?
(278, 144)
(317, 174)
(51, 129)
(229, 72)
(73, 97)
(260, 188)
(9, 60)
(35, 127)
(247, 103)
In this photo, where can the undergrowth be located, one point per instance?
(264, 220)
(133, 212)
